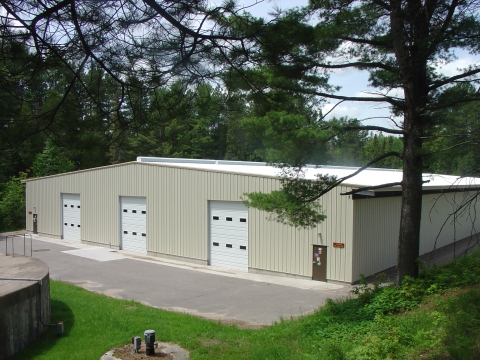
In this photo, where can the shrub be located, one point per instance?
(462, 324)
(12, 205)
(392, 299)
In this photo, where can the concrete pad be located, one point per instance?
(175, 351)
(243, 299)
(105, 254)
(109, 356)
(96, 253)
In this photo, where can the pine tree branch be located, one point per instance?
(447, 104)
(440, 83)
(375, 128)
(382, 98)
(382, 44)
(50, 11)
(357, 64)
(333, 108)
(382, 4)
(439, 36)
(87, 48)
(452, 147)
(182, 28)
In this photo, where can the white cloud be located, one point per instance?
(367, 112)
(455, 67)
(340, 111)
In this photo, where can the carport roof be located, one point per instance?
(367, 178)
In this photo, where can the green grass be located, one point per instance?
(434, 317)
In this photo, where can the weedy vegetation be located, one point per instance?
(436, 316)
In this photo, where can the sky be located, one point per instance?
(354, 82)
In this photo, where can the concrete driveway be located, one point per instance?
(241, 298)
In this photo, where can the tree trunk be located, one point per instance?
(412, 56)
(411, 212)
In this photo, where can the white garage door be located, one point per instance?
(71, 217)
(133, 212)
(228, 235)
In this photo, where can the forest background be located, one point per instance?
(99, 122)
(208, 121)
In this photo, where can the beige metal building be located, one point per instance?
(191, 210)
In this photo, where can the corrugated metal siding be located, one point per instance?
(440, 225)
(177, 214)
(337, 228)
(377, 223)
(376, 226)
(282, 248)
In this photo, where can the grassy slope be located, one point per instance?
(442, 322)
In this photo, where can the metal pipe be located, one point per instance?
(31, 245)
(58, 325)
(13, 244)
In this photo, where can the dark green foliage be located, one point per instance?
(455, 321)
(182, 122)
(377, 145)
(462, 273)
(12, 205)
(392, 299)
(293, 140)
(287, 209)
(462, 325)
(51, 161)
(240, 145)
(452, 144)
(288, 138)
(17, 67)
(345, 147)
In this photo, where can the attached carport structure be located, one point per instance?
(191, 210)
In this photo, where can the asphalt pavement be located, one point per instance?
(235, 297)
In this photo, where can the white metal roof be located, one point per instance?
(366, 178)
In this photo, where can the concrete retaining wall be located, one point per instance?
(22, 303)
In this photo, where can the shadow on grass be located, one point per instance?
(462, 338)
(60, 312)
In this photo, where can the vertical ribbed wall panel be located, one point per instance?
(443, 222)
(337, 228)
(377, 223)
(177, 214)
(282, 248)
(376, 226)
